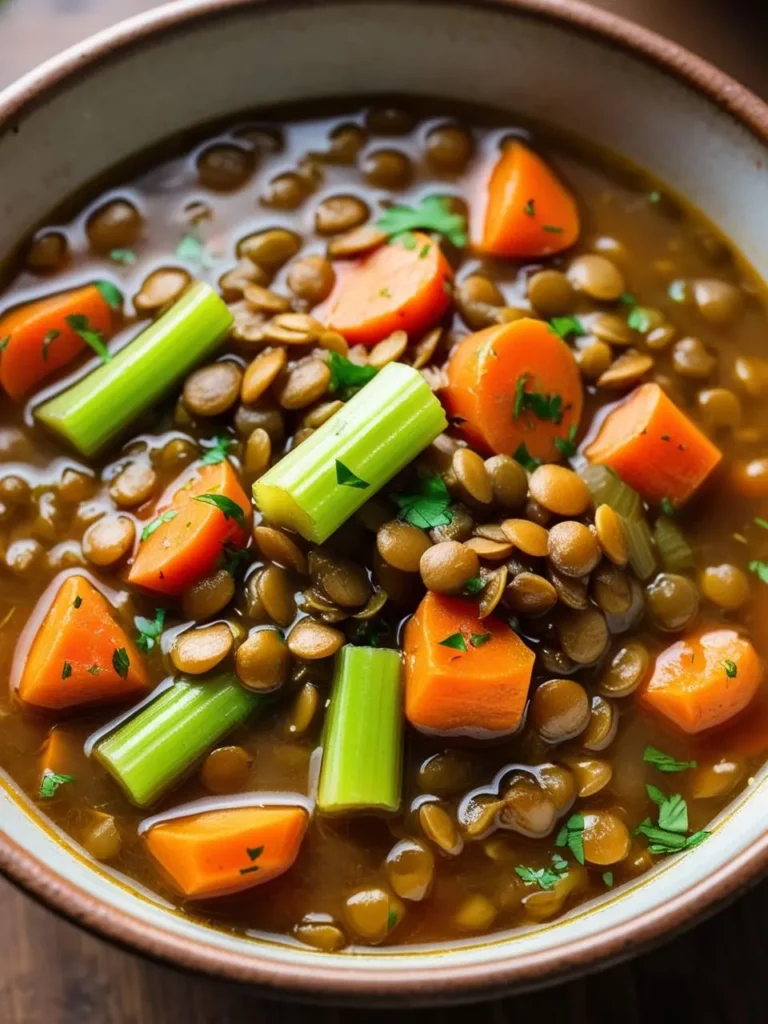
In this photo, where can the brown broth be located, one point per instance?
(661, 241)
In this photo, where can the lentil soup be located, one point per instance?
(384, 526)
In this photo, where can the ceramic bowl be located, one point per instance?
(83, 113)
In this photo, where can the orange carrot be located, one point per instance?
(703, 680)
(40, 337)
(80, 654)
(463, 674)
(186, 537)
(401, 286)
(529, 213)
(654, 447)
(222, 852)
(514, 385)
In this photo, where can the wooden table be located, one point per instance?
(52, 973)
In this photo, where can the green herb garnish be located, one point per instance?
(346, 374)
(530, 208)
(228, 508)
(370, 633)
(149, 630)
(572, 836)
(252, 854)
(673, 810)
(760, 569)
(526, 460)
(4, 343)
(218, 451)
(428, 507)
(347, 478)
(567, 445)
(552, 229)
(563, 326)
(548, 408)
(478, 639)
(731, 668)
(545, 878)
(433, 213)
(192, 250)
(125, 256)
(627, 299)
(762, 523)
(455, 640)
(665, 762)
(667, 507)
(51, 336)
(77, 602)
(639, 319)
(80, 325)
(654, 197)
(110, 293)
(608, 879)
(425, 251)
(121, 662)
(50, 782)
(391, 919)
(677, 291)
(233, 560)
(66, 670)
(94, 670)
(164, 517)
(473, 585)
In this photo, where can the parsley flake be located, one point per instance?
(50, 336)
(545, 878)
(552, 229)
(654, 197)
(567, 445)
(149, 630)
(608, 879)
(428, 507)
(50, 783)
(347, 478)
(563, 326)
(110, 293)
(673, 810)
(731, 668)
(628, 299)
(760, 569)
(369, 633)
(233, 560)
(77, 602)
(455, 641)
(665, 762)
(94, 670)
(526, 460)
(762, 523)
(121, 662)
(639, 320)
(548, 408)
(164, 517)
(346, 374)
(218, 451)
(80, 325)
(530, 208)
(433, 213)
(252, 855)
(66, 670)
(425, 251)
(473, 585)
(191, 250)
(572, 836)
(478, 639)
(125, 256)
(5, 342)
(391, 919)
(667, 507)
(228, 508)
(677, 291)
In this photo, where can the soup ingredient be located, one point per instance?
(529, 212)
(40, 338)
(559, 490)
(262, 661)
(463, 674)
(373, 913)
(703, 680)
(198, 651)
(222, 852)
(150, 751)
(605, 838)
(514, 387)
(665, 762)
(674, 550)
(654, 447)
(212, 390)
(401, 286)
(362, 749)
(94, 412)
(109, 540)
(318, 485)
(410, 869)
(80, 655)
(446, 567)
(186, 541)
(607, 488)
(433, 213)
(559, 710)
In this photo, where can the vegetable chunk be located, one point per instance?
(463, 674)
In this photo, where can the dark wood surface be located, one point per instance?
(53, 973)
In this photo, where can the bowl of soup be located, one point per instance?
(384, 491)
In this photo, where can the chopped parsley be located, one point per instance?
(425, 251)
(228, 508)
(677, 291)
(567, 445)
(478, 639)
(385, 293)
(50, 783)
(563, 326)
(218, 451)
(391, 919)
(192, 250)
(252, 855)
(49, 337)
(94, 670)
(433, 213)
(80, 325)
(627, 299)
(77, 602)
(149, 630)
(731, 668)
(473, 585)
(110, 293)
(760, 569)
(526, 460)
(654, 197)
(346, 374)
(233, 560)
(552, 229)
(548, 408)
(665, 762)
(347, 478)
(530, 208)
(125, 256)
(545, 878)
(669, 835)
(572, 836)
(121, 662)
(762, 523)
(370, 633)
(429, 506)
(667, 507)
(639, 319)
(164, 517)
(4, 342)
(608, 879)
(455, 641)
(66, 670)
(673, 810)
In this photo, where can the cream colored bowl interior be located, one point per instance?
(527, 64)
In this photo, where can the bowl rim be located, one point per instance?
(443, 981)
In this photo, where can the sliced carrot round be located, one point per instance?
(401, 286)
(529, 213)
(512, 385)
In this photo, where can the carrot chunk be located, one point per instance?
(654, 447)
(401, 286)
(529, 212)
(514, 385)
(703, 680)
(41, 337)
(185, 539)
(80, 654)
(63, 753)
(217, 853)
(463, 674)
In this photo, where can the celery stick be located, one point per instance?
(319, 485)
(642, 557)
(152, 750)
(98, 408)
(674, 550)
(362, 748)
(607, 488)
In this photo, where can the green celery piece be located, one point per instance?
(674, 550)
(642, 557)
(149, 752)
(363, 743)
(319, 485)
(96, 410)
(607, 488)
